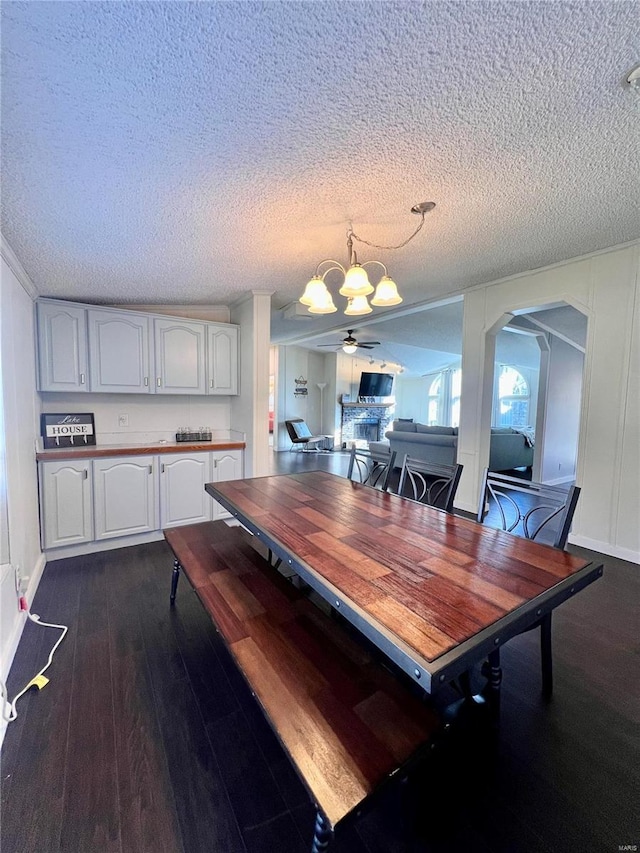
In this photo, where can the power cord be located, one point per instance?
(39, 680)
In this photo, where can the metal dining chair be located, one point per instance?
(534, 511)
(431, 483)
(371, 467)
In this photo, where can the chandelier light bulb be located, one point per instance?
(350, 348)
(315, 292)
(358, 305)
(326, 306)
(356, 282)
(386, 293)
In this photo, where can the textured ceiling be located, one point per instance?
(431, 339)
(189, 152)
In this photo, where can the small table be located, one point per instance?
(434, 592)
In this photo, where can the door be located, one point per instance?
(119, 352)
(67, 506)
(227, 465)
(180, 357)
(183, 499)
(125, 496)
(62, 347)
(222, 359)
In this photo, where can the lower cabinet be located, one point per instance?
(226, 465)
(66, 499)
(97, 499)
(125, 496)
(183, 499)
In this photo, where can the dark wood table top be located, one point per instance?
(434, 591)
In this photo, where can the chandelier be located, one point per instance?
(356, 286)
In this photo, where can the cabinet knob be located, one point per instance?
(146, 380)
(82, 378)
(211, 383)
(85, 474)
(158, 381)
(151, 469)
(162, 468)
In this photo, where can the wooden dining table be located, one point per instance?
(435, 592)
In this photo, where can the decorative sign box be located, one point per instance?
(77, 430)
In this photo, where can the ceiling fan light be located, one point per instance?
(358, 305)
(386, 293)
(350, 348)
(356, 282)
(315, 291)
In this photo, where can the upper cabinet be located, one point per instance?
(62, 347)
(222, 360)
(180, 357)
(87, 348)
(119, 351)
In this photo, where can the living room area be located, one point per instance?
(414, 405)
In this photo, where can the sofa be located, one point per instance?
(508, 447)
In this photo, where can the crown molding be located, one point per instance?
(16, 267)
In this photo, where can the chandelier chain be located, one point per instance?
(352, 233)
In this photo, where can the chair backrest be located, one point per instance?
(298, 430)
(431, 483)
(530, 506)
(371, 467)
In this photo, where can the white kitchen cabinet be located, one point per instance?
(119, 352)
(226, 465)
(125, 496)
(62, 347)
(67, 502)
(179, 356)
(222, 359)
(183, 499)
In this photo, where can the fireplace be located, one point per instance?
(367, 429)
(365, 422)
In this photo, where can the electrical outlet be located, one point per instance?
(123, 420)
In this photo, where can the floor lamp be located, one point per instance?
(321, 386)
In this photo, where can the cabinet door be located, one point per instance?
(62, 347)
(227, 465)
(183, 499)
(125, 496)
(180, 357)
(119, 352)
(222, 359)
(67, 507)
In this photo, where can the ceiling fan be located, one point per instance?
(350, 344)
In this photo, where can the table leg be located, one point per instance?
(175, 577)
(495, 680)
(546, 656)
(322, 835)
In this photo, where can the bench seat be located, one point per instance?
(345, 721)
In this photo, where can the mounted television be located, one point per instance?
(375, 384)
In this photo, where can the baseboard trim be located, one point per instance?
(605, 548)
(18, 628)
(95, 547)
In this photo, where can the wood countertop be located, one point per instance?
(97, 451)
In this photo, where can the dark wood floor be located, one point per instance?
(146, 739)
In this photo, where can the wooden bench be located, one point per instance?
(345, 721)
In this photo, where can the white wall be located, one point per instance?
(250, 409)
(152, 417)
(605, 288)
(20, 407)
(300, 363)
(559, 441)
(412, 394)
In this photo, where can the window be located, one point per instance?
(444, 398)
(512, 398)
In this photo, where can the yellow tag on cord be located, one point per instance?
(39, 681)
